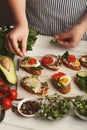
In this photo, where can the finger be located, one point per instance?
(23, 46)
(64, 36)
(66, 44)
(56, 36)
(9, 48)
(14, 46)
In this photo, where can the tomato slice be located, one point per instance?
(58, 75)
(47, 60)
(71, 58)
(32, 61)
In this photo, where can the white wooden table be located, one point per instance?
(14, 122)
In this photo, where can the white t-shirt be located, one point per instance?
(55, 16)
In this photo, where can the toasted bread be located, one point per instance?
(31, 65)
(33, 85)
(52, 62)
(83, 60)
(71, 61)
(62, 82)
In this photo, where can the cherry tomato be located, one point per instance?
(71, 58)
(7, 103)
(1, 95)
(12, 94)
(57, 75)
(1, 82)
(47, 60)
(32, 61)
(5, 88)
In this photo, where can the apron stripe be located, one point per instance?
(55, 16)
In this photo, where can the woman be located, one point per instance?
(66, 19)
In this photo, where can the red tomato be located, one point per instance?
(7, 103)
(5, 88)
(71, 58)
(1, 95)
(32, 61)
(12, 94)
(57, 75)
(1, 82)
(47, 60)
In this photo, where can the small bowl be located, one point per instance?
(20, 105)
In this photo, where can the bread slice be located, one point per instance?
(62, 82)
(52, 62)
(33, 85)
(83, 60)
(71, 61)
(31, 65)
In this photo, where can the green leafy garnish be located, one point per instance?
(65, 55)
(54, 41)
(82, 83)
(54, 107)
(30, 42)
(81, 105)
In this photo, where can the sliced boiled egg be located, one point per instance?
(30, 62)
(76, 63)
(65, 80)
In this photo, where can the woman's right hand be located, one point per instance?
(18, 35)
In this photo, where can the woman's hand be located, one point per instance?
(18, 35)
(72, 37)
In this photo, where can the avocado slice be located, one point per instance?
(7, 67)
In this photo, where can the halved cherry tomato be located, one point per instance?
(32, 61)
(58, 75)
(71, 58)
(7, 103)
(47, 60)
(12, 94)
(1, 82)
(5, 88)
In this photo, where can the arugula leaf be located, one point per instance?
(30, 42)
(65, 55)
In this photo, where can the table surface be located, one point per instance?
(14, 122)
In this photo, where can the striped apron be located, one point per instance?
(55, 16)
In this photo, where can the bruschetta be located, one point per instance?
(71, 61)
(81, 80)
(62, 82)
(52, 62)
(83, 60)
(33, 85)
(31, 65)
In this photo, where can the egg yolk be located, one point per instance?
(63, 80)
(77, 63)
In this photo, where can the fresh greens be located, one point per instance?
(82, 80)
(30, 42)
(54, 107)
(54, 41)
(81, 105)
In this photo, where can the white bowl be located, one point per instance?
(20, 104)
